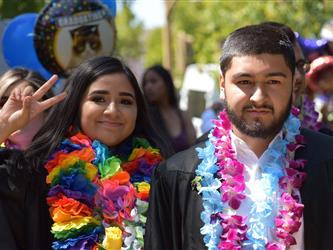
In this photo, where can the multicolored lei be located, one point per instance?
(220, 180)
(97, 200)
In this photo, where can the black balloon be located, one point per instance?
(68, 32)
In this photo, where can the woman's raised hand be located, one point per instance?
(23, 104)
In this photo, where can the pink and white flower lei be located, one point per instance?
(225, 176)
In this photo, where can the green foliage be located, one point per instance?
(209, 22)
(153, 44)
(12, 8)
(129, 33)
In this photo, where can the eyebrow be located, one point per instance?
(238, 75)
(277, 74)
(241, 74)
(106, 92)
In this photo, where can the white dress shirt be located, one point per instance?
(253, 190)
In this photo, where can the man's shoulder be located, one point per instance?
(185, 161)
(318, 146)
(313, 137)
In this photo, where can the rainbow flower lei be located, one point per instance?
(220, 181)
(96, 199)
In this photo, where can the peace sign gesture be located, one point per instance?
(23, 105)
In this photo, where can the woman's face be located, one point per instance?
(154, 87)
(109, 109)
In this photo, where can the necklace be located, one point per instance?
(99, 200)
(220, 181)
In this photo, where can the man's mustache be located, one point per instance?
(253, 107)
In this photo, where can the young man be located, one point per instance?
(244, 187)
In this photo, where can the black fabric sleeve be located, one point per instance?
(24, 219)
(174, 208)
(14, 178)
(158, 235)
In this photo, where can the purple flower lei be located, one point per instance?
(309, 115)
(224, 231)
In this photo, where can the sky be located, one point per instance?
(151, 12)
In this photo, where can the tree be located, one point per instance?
(12, 8)
(153, 47)
(209, 22)
(129, 33)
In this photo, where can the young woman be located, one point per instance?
(20, 78)
(174, 123)
(93, 159)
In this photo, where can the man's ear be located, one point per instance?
(222, 83)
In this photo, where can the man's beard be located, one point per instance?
(257, 128)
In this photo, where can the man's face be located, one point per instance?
(258, 93)
(299, 72)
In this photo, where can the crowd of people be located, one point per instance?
(110, 163)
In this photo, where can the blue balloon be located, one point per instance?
(18, 44)
(111, 4)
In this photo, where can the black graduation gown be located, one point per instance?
(24, 219)
(174, 208)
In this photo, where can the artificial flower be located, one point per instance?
(220, 181)
(94, 200)
(113, 238)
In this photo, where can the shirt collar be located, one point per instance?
(242, 148)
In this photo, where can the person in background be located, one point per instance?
(173, 123)
(87, 172)
(20, 78)
(209, 115)
(320, 85)
(248, 184)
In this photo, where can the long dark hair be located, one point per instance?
(167, 80)
(66, 114)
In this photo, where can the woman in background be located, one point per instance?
(173, 123)
(20, 78)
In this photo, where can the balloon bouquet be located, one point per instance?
(61, 36)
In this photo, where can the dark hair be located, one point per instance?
(17, 75)
(167, 79)
(66, 115)
(284, 28)
(255, 40)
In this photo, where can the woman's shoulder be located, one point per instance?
(187, 121)
(14, 170)
(184, 115)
